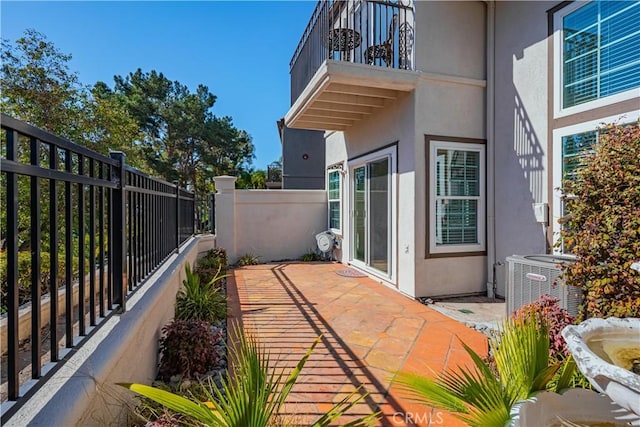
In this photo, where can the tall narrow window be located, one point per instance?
(574, 149)
(334, 196)
(457, 214)
(600, 55)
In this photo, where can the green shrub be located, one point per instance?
(24, 276)
(212, 264)
(603, 228)
(188, 349)
(248, 259)
(310, 257)
(198, 300)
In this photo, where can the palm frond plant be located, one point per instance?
(480, 398)
(253, 396)
(200, 301)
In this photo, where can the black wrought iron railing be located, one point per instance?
(274, 173)
(206, 214)
(374, 32)
(80, 231)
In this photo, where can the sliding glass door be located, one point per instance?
(371, 214)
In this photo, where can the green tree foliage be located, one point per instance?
(243, 179)
(603, 229)
(252, 179)
(109, 126)
(183, 140)
(39, 88)
(259, 179)
(163, 127)
(37, 85)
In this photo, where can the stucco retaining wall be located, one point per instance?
(123, 349)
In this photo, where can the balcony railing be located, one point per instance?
(274, 173)
(373, 32)
(91, 230)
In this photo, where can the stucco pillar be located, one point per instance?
(226, 215)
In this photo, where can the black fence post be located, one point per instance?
(212, 213)
(177, 217)
(36, 234)
(118, 232)
(12, 271)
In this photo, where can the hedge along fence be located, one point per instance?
(24, 275)
(603, 229)
(24, 314)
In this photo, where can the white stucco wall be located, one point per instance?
(450, 38)
(392, 124)
(272, 224)
(449, 109)
(450, 101)
(521, 124)
(124, 349)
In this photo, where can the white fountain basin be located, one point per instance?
(604, 350)
(575, 406)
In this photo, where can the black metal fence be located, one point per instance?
(274, 173)
(374, 32)
(80, 232)
(206, 214)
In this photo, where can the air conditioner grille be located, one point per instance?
(529, 279)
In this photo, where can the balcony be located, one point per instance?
(354, 57)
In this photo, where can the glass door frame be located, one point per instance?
(389, 153)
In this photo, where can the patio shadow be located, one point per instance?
(369, 333)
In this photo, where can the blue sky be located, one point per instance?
(239, 49)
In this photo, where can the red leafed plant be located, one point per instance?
(603, 230)
(188, 349)
(547, 310)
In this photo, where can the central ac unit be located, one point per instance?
(531, 276)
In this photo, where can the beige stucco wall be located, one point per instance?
(392, 124)
(454, 109)
(124, 349)
(521, 125)
(449, 100)
(450, 38)
(278, 224)
(273, 225)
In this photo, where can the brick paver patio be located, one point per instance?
(369, 333)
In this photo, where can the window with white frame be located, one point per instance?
(599, 50)
(334, 195)
(457, 197)
(571, 146)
